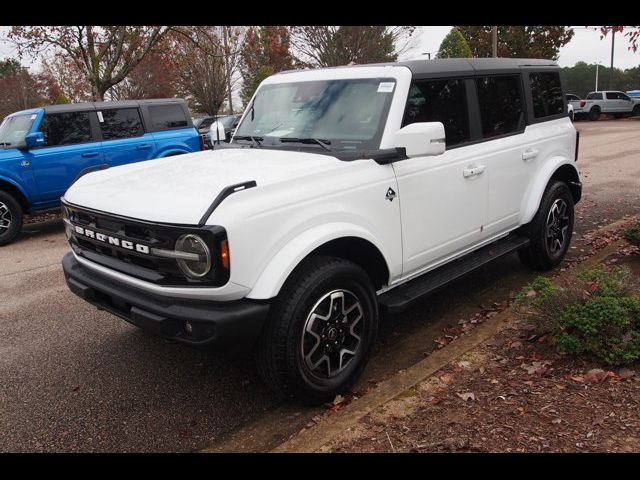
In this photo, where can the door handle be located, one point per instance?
(472, 171)
(144, 146)
(90, 154)
(529, 154)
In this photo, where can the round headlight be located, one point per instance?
(193, 244)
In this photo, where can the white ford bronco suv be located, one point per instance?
(345, 192)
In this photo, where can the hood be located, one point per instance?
(180, 189)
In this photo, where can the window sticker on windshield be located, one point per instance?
(386, 87)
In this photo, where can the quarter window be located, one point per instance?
(121, 123)
(66, 128)
(440, 101)
(501, 105)
(166, 117)
(546, 93)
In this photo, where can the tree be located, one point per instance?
(518, 41)
(9, 67)
(200, 66)
(454, 46)
(61, 76)
(104, 55)
(580, 79)
(632, 33)
(330, 46)
(265, 51)
(18, 90)
(154, 77)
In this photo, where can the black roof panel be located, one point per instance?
(460, 66)
(87, 106)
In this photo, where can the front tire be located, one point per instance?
(320, 330)
(10, 218)
(550, 230)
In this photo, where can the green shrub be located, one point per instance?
(632, 235)
(598, 313)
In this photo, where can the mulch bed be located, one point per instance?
(512, 394)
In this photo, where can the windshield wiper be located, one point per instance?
(6, 144)
(320, 141)
(256, 140)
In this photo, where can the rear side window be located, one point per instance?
(613, 96)
(66, 128)
(501, 105)
(440, 101)
(546, 93)
(166, 117)
(594, 96)
(120, 123)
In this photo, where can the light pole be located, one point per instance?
(494, 41)
(597, 67)
(428, 55)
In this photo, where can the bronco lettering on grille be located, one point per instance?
(126, 244)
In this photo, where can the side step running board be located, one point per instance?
(402, 297)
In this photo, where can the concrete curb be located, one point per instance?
(313, 438)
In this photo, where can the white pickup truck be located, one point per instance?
(344, 193)
(610, 102)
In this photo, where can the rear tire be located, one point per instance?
(636, 111)
(594, 114)
(550, 230)
(320, 330)
(10, 218)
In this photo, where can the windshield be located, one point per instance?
(227, 121)
(14, 128)
(346, 114)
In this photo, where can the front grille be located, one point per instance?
(140, 235)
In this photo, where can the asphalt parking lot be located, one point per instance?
(77, 379)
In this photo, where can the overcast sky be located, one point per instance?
(585, 45)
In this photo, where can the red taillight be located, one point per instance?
(582, 103)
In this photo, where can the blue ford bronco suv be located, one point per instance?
(44, 150)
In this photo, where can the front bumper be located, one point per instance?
(233, 325)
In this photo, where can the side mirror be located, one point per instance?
(216, 131)
(35, 139)
(421, 139)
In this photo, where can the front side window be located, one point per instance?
(66, 128)
(546, 93)
(13, 130)
(347, 114)
(501, 105)
(166, 117)
(121, 123)
(440, 101)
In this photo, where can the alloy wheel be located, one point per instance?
(332, 333)
(557, 226)
(5, 217)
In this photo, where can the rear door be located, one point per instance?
(613, 102)
(71, 145)
(123, 136)
(507, 154)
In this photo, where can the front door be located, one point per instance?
(443, 199)
(70, 147)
